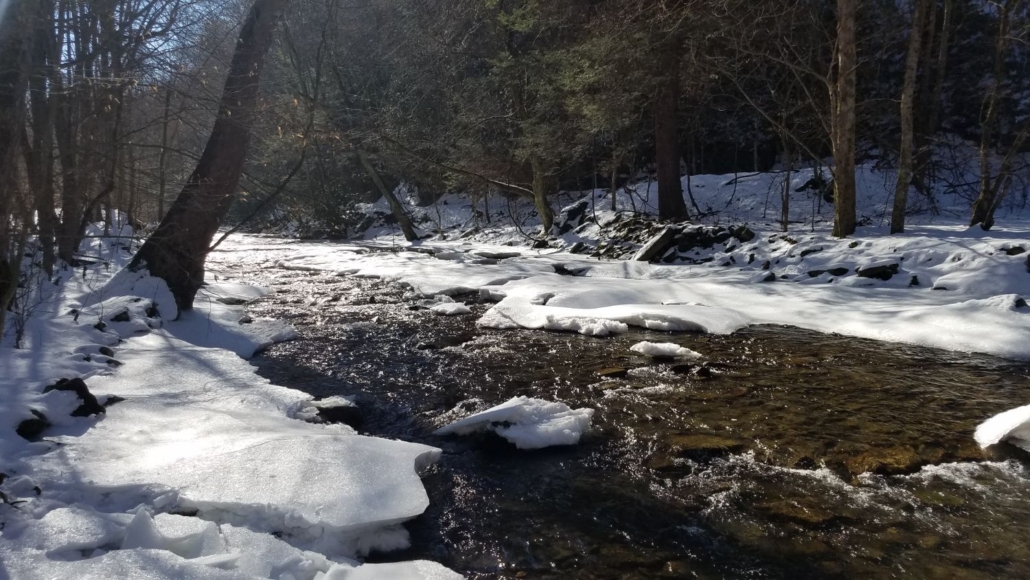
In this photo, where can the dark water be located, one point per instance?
(755, 466)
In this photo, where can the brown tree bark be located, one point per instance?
(177, 249)
(14, 63)
(908, 93)
(543, 207)
(842, 100)
(666, 137)
(395, 205)
(162, 156)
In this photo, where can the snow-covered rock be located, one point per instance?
(528, 423)
(664, 350)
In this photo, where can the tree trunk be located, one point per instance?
(843, 122)
(543, 208)
(788, 158)
(983, 207)
(666, 139)
(177, 249)
(395, 204)
(908, 93)
(162, 156)
(14, 63)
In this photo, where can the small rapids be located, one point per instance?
(784, 453)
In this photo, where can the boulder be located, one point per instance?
(89, 406)
(881, 272)
(32, 428)
(571, 217)
(656, 245)
(837, 272)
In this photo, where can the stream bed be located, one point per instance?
(786, 454)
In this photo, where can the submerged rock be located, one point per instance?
(795, 511)
(613, 373)
(890, 461)
(703, 446)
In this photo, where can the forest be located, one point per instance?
(440, 289)
(108, 104)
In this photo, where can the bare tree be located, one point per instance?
(907, 121)
(842, 116)
(994, 187)
(177, 249)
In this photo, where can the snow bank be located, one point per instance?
(664, 350)
(528, 423)
(82, 543)
(205, 427)
(1012, 426)
(196, 431)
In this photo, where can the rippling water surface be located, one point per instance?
(788, 454)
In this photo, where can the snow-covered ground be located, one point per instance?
(198, 467)
(940, 284)
(982, 308)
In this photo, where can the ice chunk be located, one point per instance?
(187, 537)
(450, 309)
(664, 350)
(528, 423)
(1012, 426)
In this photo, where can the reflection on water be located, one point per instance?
(788, 454)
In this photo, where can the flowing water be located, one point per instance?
(788, 454)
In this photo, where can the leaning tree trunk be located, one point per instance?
(177, 249)
(666, 138)
(908, 92)
(843, 116)
(395, 204)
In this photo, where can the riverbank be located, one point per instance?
(178, 460)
